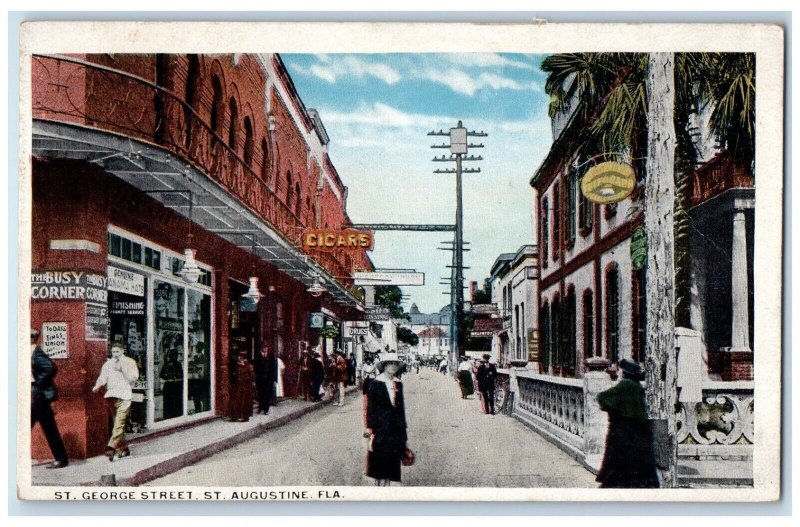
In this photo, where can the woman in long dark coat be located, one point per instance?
(386, 423)
(240, 406)
(628, 461)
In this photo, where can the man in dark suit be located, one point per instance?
(264, 367)
(487, 373)
(317, 376)
(43, 392)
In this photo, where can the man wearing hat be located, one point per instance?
(486, 374)
(628, 461)
(43, 392)
(317, 376)
(386, 422)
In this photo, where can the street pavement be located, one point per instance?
(455, 445)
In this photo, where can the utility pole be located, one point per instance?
(459, 147)
(660, 360)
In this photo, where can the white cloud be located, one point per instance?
(333, 67)
(323, 73)
(461, 82)
(485, 60)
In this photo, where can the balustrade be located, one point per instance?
(557, 401)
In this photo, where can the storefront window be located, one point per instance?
(169, 351)
(199, 315)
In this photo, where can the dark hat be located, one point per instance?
(631, 369)
(34, 333)
(486, 356)
(316, 354)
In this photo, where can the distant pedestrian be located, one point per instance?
(367, 373)
(304, 380)
(43, 392)
(443, 367)
(486, 374)
(317, 376)
(465, 378)
(279, 368)
(117, 375)
(341, 376)
(240, 406)
(352, 367)
(264, 368)
(629, 461)
(386, 423)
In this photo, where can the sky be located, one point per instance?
(377, 110)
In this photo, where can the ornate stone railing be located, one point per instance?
(721, 425)
(553, 400)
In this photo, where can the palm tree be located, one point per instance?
(609, 94)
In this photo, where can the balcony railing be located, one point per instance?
(719, 174)
(67, 89)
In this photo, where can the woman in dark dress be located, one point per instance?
(629, 461)
(386, 422)
(240, 406)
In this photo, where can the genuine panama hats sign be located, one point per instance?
(608, 182)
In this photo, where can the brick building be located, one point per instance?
(140, 162)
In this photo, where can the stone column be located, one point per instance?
(595, 421)
(738, 361)
(740, 327)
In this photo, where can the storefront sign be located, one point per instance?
(484, 309)
(533, 345)
(328, 240)
(385, 278)
(69, 285)
(350, 331)
(486, 327)
(96, 321)
(124, 281)
(124, 305)
(55, 342)
(377, 313)
(316, 321)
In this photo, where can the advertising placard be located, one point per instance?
(96, 321)
(55, 340)
(124, 281)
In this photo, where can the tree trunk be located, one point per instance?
(660, 363)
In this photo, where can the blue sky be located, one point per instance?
(378, 108)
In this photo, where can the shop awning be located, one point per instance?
(149, 169)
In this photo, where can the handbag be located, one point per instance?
(408, 457)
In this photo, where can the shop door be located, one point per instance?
(182, 351)
(127, 313)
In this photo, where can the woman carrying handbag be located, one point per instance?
(386, 424)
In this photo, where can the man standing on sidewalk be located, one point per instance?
(42, 394)
(118, 375)
(317, 376)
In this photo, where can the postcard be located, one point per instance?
(400, 262)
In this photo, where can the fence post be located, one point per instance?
(595, 421)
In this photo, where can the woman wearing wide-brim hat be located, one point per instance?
(386, 422)
(628, 461)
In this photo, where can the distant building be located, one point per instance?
(433, 330)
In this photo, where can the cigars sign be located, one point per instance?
(329, 240)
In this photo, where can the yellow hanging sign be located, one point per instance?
(608, 182)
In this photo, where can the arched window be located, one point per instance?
(190, 96)
(264, 159)
(233, 110)
(544, 237)
(612, 313)
(556, 221)
(309, 212)
(545, 356)
(289, 190)
(569, 351)
(572, 198)
(216, 105)
(248, 142)
(298, 205)
(588, 324)
(555, 332)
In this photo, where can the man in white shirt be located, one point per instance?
(118, 375)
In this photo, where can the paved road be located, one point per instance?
(456, 445)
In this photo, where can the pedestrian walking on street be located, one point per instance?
(264, 368)
(117, 375)
(352, 367)
(240, 405)
(317, 376)
(486, 374)
(465, 378)
(443, 367)
(43, 392)
(279, 368)
(629, 461)
(304, 381)
(341, 375)
(386, 424)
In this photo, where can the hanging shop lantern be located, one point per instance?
(190, 271)
(316, 290)
(253, 294)
(608, 182)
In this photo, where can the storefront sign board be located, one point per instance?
(55, 340)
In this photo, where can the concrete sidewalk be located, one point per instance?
(162, 454)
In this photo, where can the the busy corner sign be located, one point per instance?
(330, 239)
